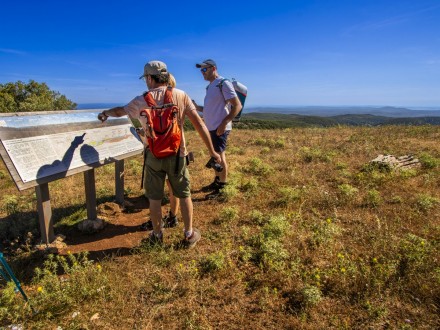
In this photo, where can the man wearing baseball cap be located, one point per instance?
(221, 105)
(156, 170)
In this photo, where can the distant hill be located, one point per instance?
(327, 111)
(279, 120)
(283, 117)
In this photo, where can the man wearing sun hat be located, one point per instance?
(221, 105)
(156, 77)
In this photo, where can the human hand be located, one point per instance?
(216, 157)
(221, 129)
(102, 117)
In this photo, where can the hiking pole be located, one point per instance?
(8, 275)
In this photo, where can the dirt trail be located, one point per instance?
(121, 233)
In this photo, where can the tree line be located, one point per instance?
(32, 96)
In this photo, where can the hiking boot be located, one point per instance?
(168, 221)
(190, 242)
(147, 226)
(153, 240)
(212, 186)
(216, 194)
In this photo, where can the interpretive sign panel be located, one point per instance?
(42, 147)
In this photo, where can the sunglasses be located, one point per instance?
(205, 69)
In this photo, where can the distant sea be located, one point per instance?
(84, 106)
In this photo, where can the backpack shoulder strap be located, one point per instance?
(149, 99)
(168, 99)
(220, 85)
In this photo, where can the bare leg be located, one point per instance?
(186, 208)
(156, 215)
(223, 175)
(174, 202)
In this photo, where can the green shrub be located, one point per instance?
(309, 155)
(73, 218)
(257, 217)
(213, 262)
(229, 192)
(269, 252)
(428, 161)
(265, 150)
(10, 204)
(373, 198)
(275, 228)
(408, 173)
(257, 167)
(414, 252)
(236, 150)
(55, 295)
(347, 192)
(311, 295)
(135, 167)
(250, 186)
(426, 202)
(228, 214)
(323, 232)
(287, 196)
(11, 305)
(270, 143)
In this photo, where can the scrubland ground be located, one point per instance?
(308, 236)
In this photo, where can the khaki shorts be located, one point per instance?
(156, 170)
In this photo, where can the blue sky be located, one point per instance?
(314, 52)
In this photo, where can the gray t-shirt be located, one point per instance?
(215, 108)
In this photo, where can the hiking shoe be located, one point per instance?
(190, 242)
(147, 226)
(212, 186)
(216, 194)
(153, 240)
(168, 221)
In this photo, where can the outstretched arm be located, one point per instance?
(113, 112)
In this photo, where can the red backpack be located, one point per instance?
(163, 131)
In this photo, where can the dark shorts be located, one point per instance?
(157, 170)
(219, 142)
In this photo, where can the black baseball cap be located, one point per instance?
(206, 63)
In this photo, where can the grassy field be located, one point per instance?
(308, 237)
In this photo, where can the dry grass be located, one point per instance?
(308, 238)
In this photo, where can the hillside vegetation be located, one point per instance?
(258, 120)
(309, 236)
